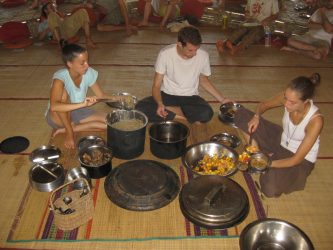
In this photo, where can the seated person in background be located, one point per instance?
(179, 70)
(316, 43)
(44, 32)
(66, 27)
(164, 8)
(116, 14)
(68, 110)
(257, 11)
(294, 146)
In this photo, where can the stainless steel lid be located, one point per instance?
(142, 185)
(45, 153)
(214, 202)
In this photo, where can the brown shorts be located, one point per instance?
(275, 181)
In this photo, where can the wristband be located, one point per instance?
(257, 116)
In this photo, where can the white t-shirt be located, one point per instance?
(321, 33)
(261, 9)
(181, 76)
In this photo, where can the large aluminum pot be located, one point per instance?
(126, 144)
(168, 139)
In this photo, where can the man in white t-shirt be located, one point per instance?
(179, 70)
(316, 43)
(258, 14)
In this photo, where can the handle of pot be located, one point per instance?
(213, 194)
(62, 186)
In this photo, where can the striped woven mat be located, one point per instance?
(35, 222)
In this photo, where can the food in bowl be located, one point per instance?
(128, 124)
(251, 149)
(96, 158)
(258, 163)
(244, 158)
(214, 165)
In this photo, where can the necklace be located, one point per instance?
(292, 134)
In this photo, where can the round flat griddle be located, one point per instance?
(142, 185)
(213, 201)
(13, 145)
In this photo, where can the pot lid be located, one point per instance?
(45, 153)
(142, 185)
(214, 201)
(13, 145)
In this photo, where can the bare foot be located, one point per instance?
(131, 30)
(287, 48)
(57, 131)
(90, 43)
(220, 46)
(143, 24)
(231, 47)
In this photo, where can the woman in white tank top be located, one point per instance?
(293, 147)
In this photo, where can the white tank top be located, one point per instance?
(293, 135)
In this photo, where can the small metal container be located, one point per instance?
(273, 234)
(227, 113)
(100, 170)
(259, 162)
(46, 176)
(226, 139)
(78, 173)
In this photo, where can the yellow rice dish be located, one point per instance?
(214, 165)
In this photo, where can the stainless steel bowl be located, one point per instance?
(88, 141)
(194, 153)
(227, 113)
(259, 162)
(273, 234)
(78, 173)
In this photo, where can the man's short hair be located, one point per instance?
(190, 35)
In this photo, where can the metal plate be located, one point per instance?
(226, 139)
(227, 113)
(45, 153)
(142, 185)
(214, 202)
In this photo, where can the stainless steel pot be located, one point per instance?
(97, 170)
(46, 176)
(126, 144)
(168, 139)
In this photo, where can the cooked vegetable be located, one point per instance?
(214, 165)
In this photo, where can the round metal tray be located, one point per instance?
(142, 185)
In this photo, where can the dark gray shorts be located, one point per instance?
(76, 116)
